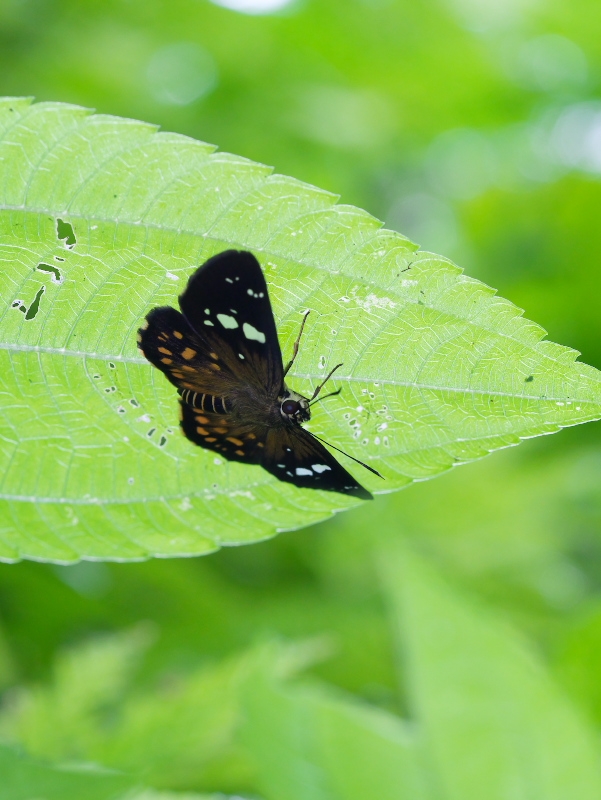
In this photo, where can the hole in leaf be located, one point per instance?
(54, 271)
(65, 232)
(58, 258)
(134, 403)
(163, 441)
(35, 306)
(151, 432)
(529, 379)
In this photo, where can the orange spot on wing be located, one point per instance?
(188, 353)
(239, 452)
(214, 356)
(235, 441)
(178, 335)
(220, 430)
(210, 439)
(167, 360)
(164, 350)
(202, 420)
(250, 436)
(215, 367)
(202, 431)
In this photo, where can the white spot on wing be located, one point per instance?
(208, 322)
(320, 468)
(229, 280)
(303, 471)
(252, 333)
(227, 321)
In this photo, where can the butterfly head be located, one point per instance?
(294, 407)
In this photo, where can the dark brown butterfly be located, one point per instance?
(223, 355)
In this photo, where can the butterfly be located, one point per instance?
(221, 351)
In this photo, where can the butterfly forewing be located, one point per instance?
(226, 302)
(297, 457)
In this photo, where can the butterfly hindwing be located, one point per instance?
(292, 454)
(171, 344)
(223, 434)
(227, 304)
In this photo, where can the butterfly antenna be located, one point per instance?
(323, 383)
(296, 344)
(371, 469)
(325, 397)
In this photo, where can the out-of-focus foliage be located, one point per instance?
(472, 127)
(23, 778)
(249, 722)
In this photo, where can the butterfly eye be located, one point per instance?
(290, 407)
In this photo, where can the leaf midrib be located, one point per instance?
(59, 351)
(268, 253)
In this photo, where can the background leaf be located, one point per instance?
(102, 218)
(494, 725)
(310, 744)
(25, 779)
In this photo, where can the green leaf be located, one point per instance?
(94, 709)
(102, 218)
(151, 794)
(26, 779)
(494, 723)
(67, 720)
(313, 743)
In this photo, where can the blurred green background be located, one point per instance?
(474, 128)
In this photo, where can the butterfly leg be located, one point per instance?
(296, 344)
(325, 397)
(323, 383)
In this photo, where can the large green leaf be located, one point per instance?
(102, 218)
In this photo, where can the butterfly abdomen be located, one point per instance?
(205, 402)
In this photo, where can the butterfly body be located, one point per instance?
(223, 355)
